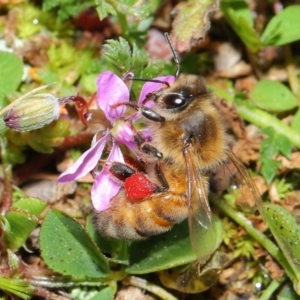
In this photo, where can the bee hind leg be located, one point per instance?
(121, 171)
(161, 177)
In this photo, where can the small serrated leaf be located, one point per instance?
(67, 8)
(78, 255)
(139, 10)
(125, 59)
(274, 144)
(191, 22)
(104, 9)
(139, 59)
(269, 168)
(119, 53)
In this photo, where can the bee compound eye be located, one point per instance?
(177, 100)
(173, 101)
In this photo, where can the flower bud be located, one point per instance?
(33, 112)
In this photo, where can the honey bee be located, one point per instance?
(189, 140)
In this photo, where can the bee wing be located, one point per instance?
(202, 230)
(248, 195)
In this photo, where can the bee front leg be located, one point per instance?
(139, 138)
(146, 147)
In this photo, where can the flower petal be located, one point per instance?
(150, 87)
(86, 162)
(111, 90)
(103, 190)
(147, 133)
(115, 154)
(104, 187)
(124, 133)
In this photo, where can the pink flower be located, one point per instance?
(111, 91)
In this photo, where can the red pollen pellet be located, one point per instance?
(138, 186)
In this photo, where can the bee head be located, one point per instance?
(185, 90)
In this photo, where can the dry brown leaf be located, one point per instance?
(49, 190)
(239, 69)
(191, 22)
(275, 271)
(245, 84)
(289, 164)
(232, 118)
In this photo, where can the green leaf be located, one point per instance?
(116, 249)
(270, 147)
(237, 15)
(105, 294)
(67, 8)
(287, 235)
(194, 279)
(23, 219)
(164, 251)
(288, 293)
(191, 22)
(62, 66)
(283, 28)
(273, 96)
(241, 9)
(31, 205)
(69, 250)
(11, 67)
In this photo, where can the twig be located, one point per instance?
(150, 287)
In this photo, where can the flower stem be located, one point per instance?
(6, 198)
(273, 286)
(291, 71)
(263, 119)
(240, 219)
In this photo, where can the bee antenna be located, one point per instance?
(175, 56)
(151, 80)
